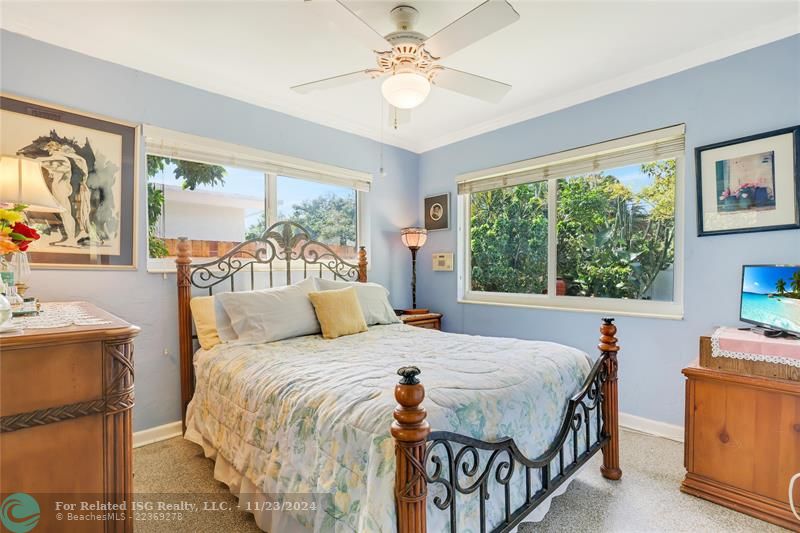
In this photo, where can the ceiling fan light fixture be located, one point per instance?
(406, 90)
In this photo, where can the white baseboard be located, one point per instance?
(156, 434)
(632, 422)
(651, 427)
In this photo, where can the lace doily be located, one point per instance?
(716, 351)
(58, 315)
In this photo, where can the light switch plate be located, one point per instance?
(443, 261)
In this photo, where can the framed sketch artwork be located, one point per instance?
(89, 164)
(437, 212)
(749, 184)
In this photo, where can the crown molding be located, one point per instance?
(324, 117)
(699, 56)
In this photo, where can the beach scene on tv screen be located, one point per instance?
(771, 296)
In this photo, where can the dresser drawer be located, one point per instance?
(428, 324)
(59, 375)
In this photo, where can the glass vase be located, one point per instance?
(5, 310)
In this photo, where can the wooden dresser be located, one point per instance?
(742, 442)
(65, 417)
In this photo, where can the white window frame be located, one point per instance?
(614, 306)
(167, 143)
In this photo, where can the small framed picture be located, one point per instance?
(437, 212)
(749, 184)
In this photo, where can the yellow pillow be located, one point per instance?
(338, 312)
(205, 321)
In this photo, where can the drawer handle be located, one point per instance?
(795, 511)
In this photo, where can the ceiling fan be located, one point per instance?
(409, 58)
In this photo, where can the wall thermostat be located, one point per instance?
(443, 261)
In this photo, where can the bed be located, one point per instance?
(324, 428)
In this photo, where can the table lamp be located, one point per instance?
(22, 182)
(413, 239)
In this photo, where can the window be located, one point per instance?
(214, 206)
(328, 211)
(220, 195)
(593, 229)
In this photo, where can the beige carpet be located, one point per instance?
(646, 499)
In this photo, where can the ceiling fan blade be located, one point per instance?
(470, 84)
(335, 81)
(360, 31)
(484, 20)
(398, 116)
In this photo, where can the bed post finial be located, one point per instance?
(183, 265)
(362, 264)
(410, 432)
(608, 350)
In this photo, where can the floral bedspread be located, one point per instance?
(308, 415)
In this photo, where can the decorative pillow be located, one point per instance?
(271, 314)
(338, 312)
(373, 298)
(205, 323)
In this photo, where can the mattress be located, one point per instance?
(312, 416)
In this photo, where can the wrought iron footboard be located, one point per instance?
(464, 467)
(458, 468)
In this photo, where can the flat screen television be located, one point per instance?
(771, 297)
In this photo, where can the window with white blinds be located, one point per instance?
(650, 146)
(166, 143)
(597, 228)
(219, 195)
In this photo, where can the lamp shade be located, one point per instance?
(414, 238)
(22, 182)
(406, 90)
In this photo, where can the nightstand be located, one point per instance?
(427, 320)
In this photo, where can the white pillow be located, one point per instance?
(271, 314)
(374, 300)
(224, 328)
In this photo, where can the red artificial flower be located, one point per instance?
(27, 233)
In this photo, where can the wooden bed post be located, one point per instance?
(410, 432)
(608, 348)
(362, 264)
(183, 263)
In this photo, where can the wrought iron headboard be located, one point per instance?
(287, 244)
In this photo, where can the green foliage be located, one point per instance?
(192, 174)
(155, 205)
(780, 286)
(509, 239)
(330, 218)
(156, 246)
(796, 283)
(612, 242)
(257, 228)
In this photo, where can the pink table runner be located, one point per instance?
(738, 344)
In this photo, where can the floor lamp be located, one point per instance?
(413, 239)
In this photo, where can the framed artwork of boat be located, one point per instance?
(749, 184)
(89, 164)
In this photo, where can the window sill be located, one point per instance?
(603, 306)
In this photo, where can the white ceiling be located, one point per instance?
(556, 55)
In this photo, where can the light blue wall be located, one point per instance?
(752, 92)
(748, 93)
(37, 70)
